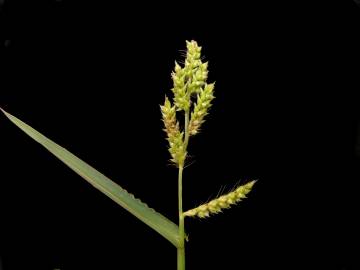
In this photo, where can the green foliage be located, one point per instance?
(139, 209)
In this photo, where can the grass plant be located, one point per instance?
(191, 100)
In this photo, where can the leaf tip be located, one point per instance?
(4, 112)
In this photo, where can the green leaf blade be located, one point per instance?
(149, 216)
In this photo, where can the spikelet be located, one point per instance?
(223, 202)
(181, 95)
(189, 79)
(201, 108)
(195, 71)
(199, 77)
(174, 136)
(169, 118)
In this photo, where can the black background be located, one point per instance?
(90, 76)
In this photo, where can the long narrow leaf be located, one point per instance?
(155, 220)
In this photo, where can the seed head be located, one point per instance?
(201, 108)
(188, 80)
(223, 202)
(181, 96)
(196, 72)
(193, 56)
(174, 136)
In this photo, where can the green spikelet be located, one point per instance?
(196, 72)
(201, 108)
(223, 202)
(190, 79)
(174, 136)
(181, 95)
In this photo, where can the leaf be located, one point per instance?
(149, 216)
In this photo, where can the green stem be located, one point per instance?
(186, 142)
(181, 248)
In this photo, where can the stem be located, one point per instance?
(186, 129)
(181, 248)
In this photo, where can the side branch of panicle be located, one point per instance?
(201, 108)
(223, 202)
(174, 136)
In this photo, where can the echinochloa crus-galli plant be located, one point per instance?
(192, 97)
(190, 103)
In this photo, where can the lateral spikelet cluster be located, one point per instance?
(174, 136)
(223, 202)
